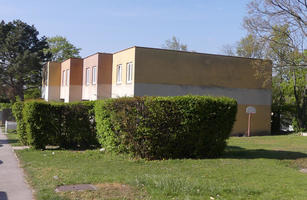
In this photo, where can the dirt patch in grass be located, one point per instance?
(107, 191)
(300, 163)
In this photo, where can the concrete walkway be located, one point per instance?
(12, 181)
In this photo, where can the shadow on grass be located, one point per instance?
(241, 153)
(8, 141)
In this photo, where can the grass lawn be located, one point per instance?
(251, 168)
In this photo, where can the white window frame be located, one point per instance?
(129, 72)
(63, 77)
(119, 69)
(94, 75)
(87, 76)
(67, 76)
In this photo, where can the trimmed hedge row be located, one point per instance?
(5, 106)
(65, 125)
(21, 126)
(166, 127)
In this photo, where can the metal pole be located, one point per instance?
(249, 125)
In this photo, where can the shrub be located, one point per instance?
(5, 106)
(65, 125)
(166, 127)
(21, 127)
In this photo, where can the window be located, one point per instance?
(119, 74)
(129, 72)
(63, 78)
(67, 77)
(87, 78)
(94, 78)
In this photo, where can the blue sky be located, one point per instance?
(113, 25)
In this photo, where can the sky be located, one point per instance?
(112, 25)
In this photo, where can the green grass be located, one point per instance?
(13, 138)
(251, 168)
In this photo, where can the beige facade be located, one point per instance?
(97, 76)
(140, 71)
(158, 72)
(71, 80)
(123, 87)
(51, 81)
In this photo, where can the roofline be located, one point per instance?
(97, 53)
(52, 62)
(191, 52)
(71, 59)
(125, 49)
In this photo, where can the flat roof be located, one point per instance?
(171, 50)
(97, 53)
(191, 52)
(71, 58)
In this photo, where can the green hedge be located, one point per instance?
(166, 127)
(21, 130)
(5, 106)
(65, 125)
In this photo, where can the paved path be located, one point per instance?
(12, 181)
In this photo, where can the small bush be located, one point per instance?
(65, 125)
(166, 127)
(5, 106)
(21, 127)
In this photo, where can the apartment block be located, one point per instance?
(140, 71)
(51, 84)
(71, 80)
(97, 76)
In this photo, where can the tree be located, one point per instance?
(21, 57)
(264, 15)
(175, 44)
(249, 46)
(277, 31)
(61, 49)
(229, 50)
(283, 24)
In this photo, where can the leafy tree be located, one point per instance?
(251, 47)
(277, 31)
(175, 44)
(21, 58)
(283, 23)
(61, 49)
(229, 50)
(264, 15)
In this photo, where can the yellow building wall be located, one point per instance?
(188, 68)
(161, 72)
(124, 88)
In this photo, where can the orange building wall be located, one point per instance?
(72, 91)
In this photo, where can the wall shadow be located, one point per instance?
(241, 153)
(3, 196)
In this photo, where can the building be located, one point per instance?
(97, 76)
(140, 71)
(51, 84)
(71, 80)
